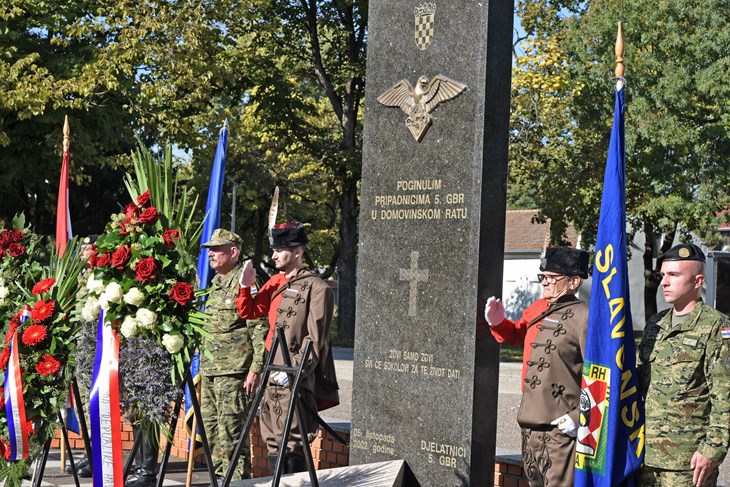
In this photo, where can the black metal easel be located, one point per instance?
(294, 407)
(40, 469)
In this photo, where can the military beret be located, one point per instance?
(287, 235)
(221, 236)
(566, 260)
(682, 251)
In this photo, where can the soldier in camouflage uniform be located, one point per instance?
(684, 372)
(237, 349)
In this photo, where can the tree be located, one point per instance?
(677, 120)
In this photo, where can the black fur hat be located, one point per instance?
(287, 235)
(566, 260)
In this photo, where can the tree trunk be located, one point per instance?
(348, 260)
(652, 278)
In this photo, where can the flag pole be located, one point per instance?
(192, 438)
(619, 71)
(66, 147)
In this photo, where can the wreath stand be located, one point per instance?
(295, 406)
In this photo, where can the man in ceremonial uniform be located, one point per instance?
(553, 333)
(231, 374)
(302, 304)
(684, 373)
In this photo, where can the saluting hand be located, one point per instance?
(248, 274)
(494, 311)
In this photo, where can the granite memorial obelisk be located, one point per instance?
(431, 237)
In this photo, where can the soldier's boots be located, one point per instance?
(83, 469)
(292, 463)
(145, 475)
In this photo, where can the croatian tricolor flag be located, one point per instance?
(106, 434)
(14, 404)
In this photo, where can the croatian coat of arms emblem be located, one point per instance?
(424, 25)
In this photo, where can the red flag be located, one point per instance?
(63, 217)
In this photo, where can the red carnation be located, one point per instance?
(16, 250)
(4, 357)
(182, 292)
(146, 269)
(34, 335)
(121, 256)
(169, 236)
(2, 253)
(43, 286)
(103, 260)
(42, 310)
(48, 365)
(16, 235)
(130, 210)
(5, 448)
(149, 216)
(5, 239)
(143, 200)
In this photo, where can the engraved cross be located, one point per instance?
(414, 275)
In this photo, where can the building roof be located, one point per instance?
(520, 234)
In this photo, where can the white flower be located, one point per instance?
(173, 343)
(129, 326)
(94, 285)
(91, 309)
(104, 302)
(114, 292)
(146, 318)
(134, 296)
(4, 292)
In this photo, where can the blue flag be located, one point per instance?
(610, 443)
(212, 221)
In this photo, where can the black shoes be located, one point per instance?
(141, 477)
(82, 468)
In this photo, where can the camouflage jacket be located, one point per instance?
(684, 373)
(237, 345)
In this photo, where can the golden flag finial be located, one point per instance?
(66, 135)
(619, 72)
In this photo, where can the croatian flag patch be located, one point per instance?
(725, 332)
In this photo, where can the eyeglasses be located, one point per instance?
(550, 279)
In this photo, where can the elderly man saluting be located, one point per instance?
(684, 373)
(553, 332)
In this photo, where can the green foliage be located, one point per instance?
(677, 125)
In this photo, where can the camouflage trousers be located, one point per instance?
(224, 408)
(657, 477)
(274, 409)
(548, 457)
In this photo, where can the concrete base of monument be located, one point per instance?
(383, 474)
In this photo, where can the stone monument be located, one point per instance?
(432, 237)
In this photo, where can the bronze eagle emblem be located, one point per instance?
(420, 101)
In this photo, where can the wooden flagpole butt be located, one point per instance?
(193, 438)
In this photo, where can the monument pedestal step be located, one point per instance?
(382, 474)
